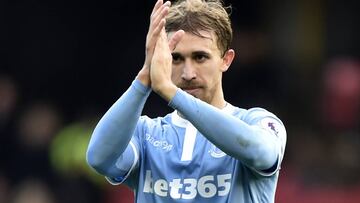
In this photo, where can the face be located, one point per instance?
(198, 65)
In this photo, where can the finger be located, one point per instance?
(155, 36)
(156, 25)
(161, 27)
(163, 36)
(162, 42)
(157, 18)
(156, 33)
(159, 11)
(175, 39)
(160, 14)
(157, 6)
(161, 50)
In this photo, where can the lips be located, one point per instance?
(191, 90)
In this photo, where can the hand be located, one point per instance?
(157, 22)
(161, 64)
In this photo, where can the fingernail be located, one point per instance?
(168, 3)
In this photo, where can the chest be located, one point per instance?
(180, 163)
(173, 151)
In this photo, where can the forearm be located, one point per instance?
(250, 144)
(144, 76)
(115, 129)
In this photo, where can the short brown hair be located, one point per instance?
(201, 15)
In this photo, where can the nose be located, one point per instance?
(188, 72)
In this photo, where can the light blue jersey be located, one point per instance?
(169, 160)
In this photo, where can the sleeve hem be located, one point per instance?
(136, 84)
(120, 180)
(174, 102)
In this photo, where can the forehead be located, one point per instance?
(190, 43)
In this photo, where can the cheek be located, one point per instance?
(175, 74)
(210, 73)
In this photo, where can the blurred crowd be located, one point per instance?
(62, 65)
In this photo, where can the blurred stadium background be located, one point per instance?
(63, 63)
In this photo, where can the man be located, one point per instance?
(207, 150)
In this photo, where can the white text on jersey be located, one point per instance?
(161, 144)
(206, 186)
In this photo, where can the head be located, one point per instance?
(204, 53)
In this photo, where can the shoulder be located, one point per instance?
(252, 114)
(262, 118)
(256, 114)
(266, 120)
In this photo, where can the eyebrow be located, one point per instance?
(177, 54)
(200, 53)
(194, 53)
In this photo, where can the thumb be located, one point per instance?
(175, 39)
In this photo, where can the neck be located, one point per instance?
(218, 100)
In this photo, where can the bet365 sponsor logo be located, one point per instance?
(206, 186)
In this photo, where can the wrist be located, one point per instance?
(166, 90)
(144, 76)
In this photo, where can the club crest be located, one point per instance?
(216, 152)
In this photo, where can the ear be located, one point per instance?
(227, 59)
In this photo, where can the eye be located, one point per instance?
(176, 58)
(200, 58)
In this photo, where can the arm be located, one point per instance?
(115, 129)
(257, 147)
(109, 151)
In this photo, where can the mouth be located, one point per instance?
(191, 90)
